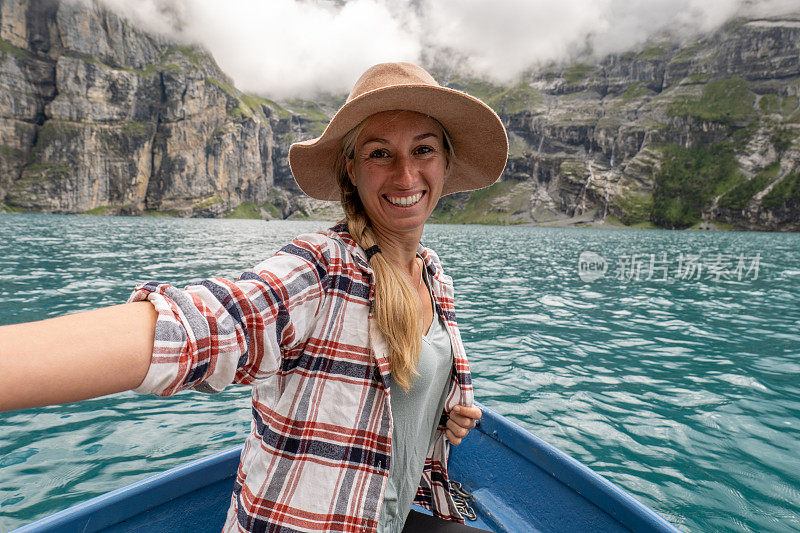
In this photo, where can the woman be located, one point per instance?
(347, 337)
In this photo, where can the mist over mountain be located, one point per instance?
(657, 114)
(260, 45)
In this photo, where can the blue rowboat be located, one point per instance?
(508, 480)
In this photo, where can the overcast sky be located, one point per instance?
(286, 48)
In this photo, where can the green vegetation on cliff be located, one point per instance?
(515, 99)
(505, 202)
(503, 99)
(635, 208)
(245, 210)
(11, 153)
(161, 214)
(310, 110)
(100, 210)
(250, 210)
(207, 203)
(57, 130)
(635, 91)
(478, 88)
(5, 208)
(192, 54)
(786, 191)
(688, 53)
(782, 139)
(272, 209)
(577, 72)
(254, 102)
(741, 195)
(687, 181)
(139, 130)
(653, 53)
(44, 172)
(247, 105)
(240, 112)
(727, 101)
(8, 48)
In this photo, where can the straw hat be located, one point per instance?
(479, 138)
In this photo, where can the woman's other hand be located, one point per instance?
(461, 420)
(75, 357)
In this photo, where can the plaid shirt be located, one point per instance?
(299, 329)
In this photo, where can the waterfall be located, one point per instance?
(644, 140)
(537, 157)
(581, 204)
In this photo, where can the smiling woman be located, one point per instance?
(347, 337)
(397, 163)
(392, 150)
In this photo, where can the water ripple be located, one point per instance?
(685, 393)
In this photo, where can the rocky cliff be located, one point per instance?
(703, 134)
(96, 116)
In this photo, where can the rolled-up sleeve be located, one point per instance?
(217, 332)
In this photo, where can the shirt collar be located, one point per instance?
(340, 233)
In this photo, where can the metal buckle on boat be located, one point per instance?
(462, 497)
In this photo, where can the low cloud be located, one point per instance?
(298, 48)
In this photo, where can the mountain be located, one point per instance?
(99, 117)
(693, 135)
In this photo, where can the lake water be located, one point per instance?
(668, 362)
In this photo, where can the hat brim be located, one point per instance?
(479, 138)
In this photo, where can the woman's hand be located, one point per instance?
(460, 421)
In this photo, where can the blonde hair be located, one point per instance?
(396, 307)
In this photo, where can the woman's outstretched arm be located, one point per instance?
(77, 356)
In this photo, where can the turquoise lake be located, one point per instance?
(668, 362)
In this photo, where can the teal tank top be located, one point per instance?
(415, 415)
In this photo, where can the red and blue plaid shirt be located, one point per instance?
(299, 329)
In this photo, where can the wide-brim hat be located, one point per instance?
(479, 139)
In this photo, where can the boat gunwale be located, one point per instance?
(615, 501)
(133, 499)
